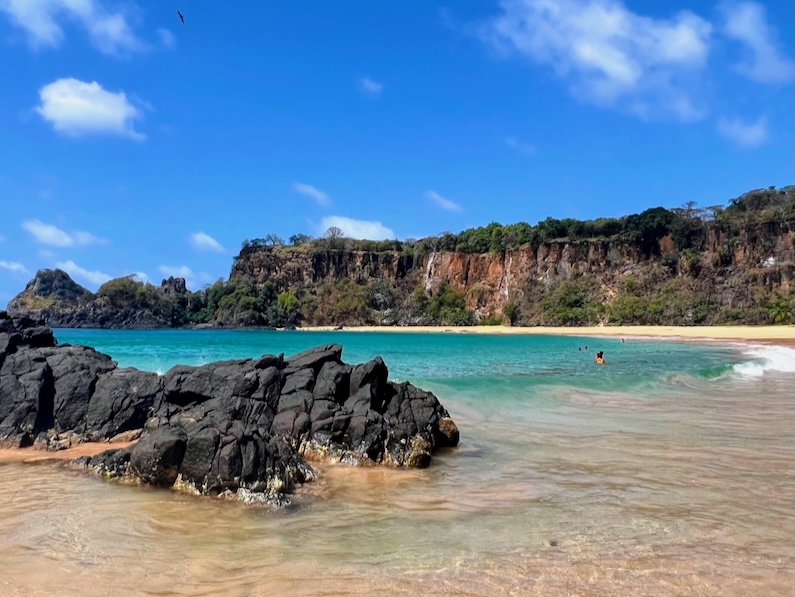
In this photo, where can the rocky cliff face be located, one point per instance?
(490, 280)
(735, 272)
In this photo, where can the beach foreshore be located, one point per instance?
(780, 334)
(30, 455)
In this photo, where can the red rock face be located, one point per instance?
(490, 280)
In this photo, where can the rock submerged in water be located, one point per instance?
(244, 427)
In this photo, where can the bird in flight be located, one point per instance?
(181, 16)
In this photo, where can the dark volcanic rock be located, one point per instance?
(76, 370)
(157, 456)
(122, 401)
(27, 390)
(241, 426)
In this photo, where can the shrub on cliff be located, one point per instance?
(574, 302)
(448, 307)
(782, 310)
(338, 302)
(127, 293)
(511, 311)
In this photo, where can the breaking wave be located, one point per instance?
(766, 358)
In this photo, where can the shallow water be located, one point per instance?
(667, 472)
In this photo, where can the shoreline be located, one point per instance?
(31, 455)
(783, 335)
(776, 334)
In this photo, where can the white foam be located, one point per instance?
(767, 358)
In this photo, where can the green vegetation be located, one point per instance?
(686, 275)
(682, 266)
(448, 307)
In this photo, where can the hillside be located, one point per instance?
(683, 266)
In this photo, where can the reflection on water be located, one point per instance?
(686, 491)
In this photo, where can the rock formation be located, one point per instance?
(122, 303)
(243, 427)
(684, 266)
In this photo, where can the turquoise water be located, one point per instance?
(458, 360)
(667, 471)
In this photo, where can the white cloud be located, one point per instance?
(13, 266)
(608, 54)
(167, 39)
(48, 234)
(319, 196)
(442, 202)
(751, 134)
(86, 238)
(140, 277)
(77, 108)
(356, 228)
(523, 148)
(746, 22)
(42, 21)
(94, 277)
(52, 235)
(370, 87)
(177, 271)
(205, 242)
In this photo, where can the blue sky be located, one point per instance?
(131, 142)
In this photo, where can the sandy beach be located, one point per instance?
(780, 334)
(31, 455)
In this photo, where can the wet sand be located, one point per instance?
(784, 334)
(30, 455)
(686, 492)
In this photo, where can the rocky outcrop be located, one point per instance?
(55, 298)
(241, 427)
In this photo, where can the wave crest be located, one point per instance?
(767, 358)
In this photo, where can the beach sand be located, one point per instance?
(779, 334)
(29, 455)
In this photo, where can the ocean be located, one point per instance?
(667, 471)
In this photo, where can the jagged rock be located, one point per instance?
(314, 358)
(75, 370)
(157, 456)
(172, 285)
(111, 464)
(58, 301)
(240, 427)
(122, 401)
(27, 391)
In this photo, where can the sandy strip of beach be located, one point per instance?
(29, 455)
(780, 334)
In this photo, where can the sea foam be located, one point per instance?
(767, 358)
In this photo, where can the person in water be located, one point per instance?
(600, 357)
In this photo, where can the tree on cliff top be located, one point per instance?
(335, 232)
(300, 239)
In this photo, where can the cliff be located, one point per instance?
(676, 267)
(491, 281)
